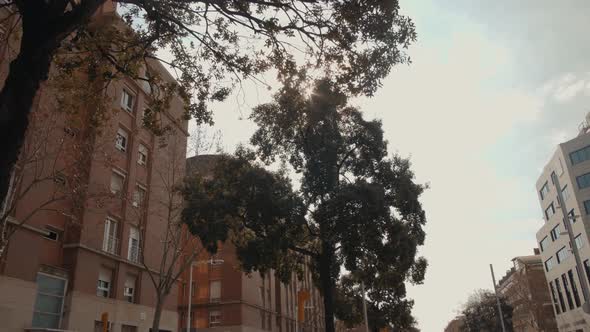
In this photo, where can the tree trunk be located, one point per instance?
(25, 75)
(158, 313)
(325, 268)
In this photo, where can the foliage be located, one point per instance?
(481, 313)
(211, 46)
(355, 207)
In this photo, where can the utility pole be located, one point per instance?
(498, 299)
(570, 233)
(365, 307)
(190, 297)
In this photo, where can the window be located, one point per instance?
(133, 252)
(579, 241)
(549, 264)
(214, 318)
(98, 326)
(543, 243)
(587, 269)
(121, 140)
(555, 303)
(214, 290)
(139, 195)
(128, 328)
(550, 211)
(565, 193)
(560, 295)
(117, 182)
(583, 181)
(568, 294)
(570, 275)
(52, 233)
(103, 288)
(572, 216)
(142, 155)
(129, 289)
(544, 190)
(110, 239)
(555, 233)
(193, 289)
(580, 155)
(127, 101)
(562, 254)
(48, 308)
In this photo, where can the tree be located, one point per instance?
(481, 313)
(355, 208)
(210, 44)
(174, 246)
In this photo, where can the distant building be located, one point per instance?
(455, 325)
(225, 297)
(525, 289)
(571, 165)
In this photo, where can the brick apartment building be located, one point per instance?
(525, 289)
(64, 268)
(223, 296)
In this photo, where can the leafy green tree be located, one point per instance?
(212, 46)
(481, 313)
(355, 207)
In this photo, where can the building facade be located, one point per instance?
(571, 166)
(224, 296)
(89, 252)
(525, 289)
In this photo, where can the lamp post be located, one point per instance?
(190, 287)
(498, 299)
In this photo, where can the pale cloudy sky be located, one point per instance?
(493, 87)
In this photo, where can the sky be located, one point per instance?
(493, 87)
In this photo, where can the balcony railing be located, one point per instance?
(110, 244)
(134, 254)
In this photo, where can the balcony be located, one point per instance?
(110, 244)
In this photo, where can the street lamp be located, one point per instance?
(190, 287)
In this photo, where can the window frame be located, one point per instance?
(100, 288)
(124, 135)
(130, 246)
(563, 249)
(37, 293)
(123, 104)
(583, 181)
(145, 154)
(218, 322)
(555, 232)
(124, 178)
(552, 207)
(541, 245)
(549, 267)
(581, 241)
(544, 190)
(211, 298)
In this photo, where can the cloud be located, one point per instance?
(567, 87)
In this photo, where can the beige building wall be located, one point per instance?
(572, 318)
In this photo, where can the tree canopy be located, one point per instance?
(481, 313)
(355, 207)
(211, 46)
